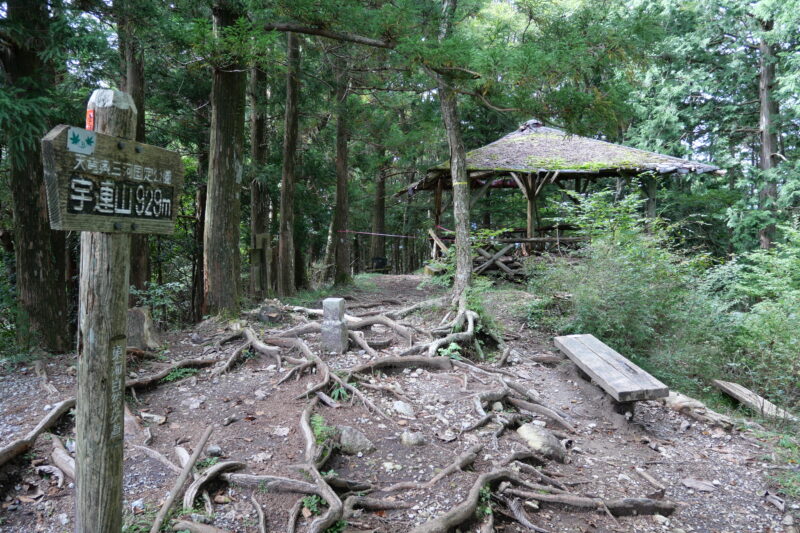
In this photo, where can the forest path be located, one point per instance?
(717, 478)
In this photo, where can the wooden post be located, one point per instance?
(105, 271)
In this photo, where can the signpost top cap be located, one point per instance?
(110, 98)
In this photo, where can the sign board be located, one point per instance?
(98, 182)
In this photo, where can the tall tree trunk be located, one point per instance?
(377, 243)
(132, 82)
(197, 259)
(341, 239)
(769, 138)
(286, 252)
(225, 165)
(39, 251)
(458, 172)
(259, 197)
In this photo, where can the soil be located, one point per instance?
(256, 421)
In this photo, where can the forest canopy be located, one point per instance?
(299, 122)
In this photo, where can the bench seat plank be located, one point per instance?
(620, 378)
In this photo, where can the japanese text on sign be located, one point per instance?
(118, 198)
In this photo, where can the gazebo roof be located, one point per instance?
(541, 150)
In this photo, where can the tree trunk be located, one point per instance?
(221, 236)
(259, 197)
(197, 266)
(341, 239)
(39, 251)
(769, 138)
(458, 172)
(377, 243)
(286, 252)
(132, 82)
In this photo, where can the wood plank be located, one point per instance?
(500, 265)
(493, 259)
(619, 377)
(100, 182)
(754, 401)
(438, 241)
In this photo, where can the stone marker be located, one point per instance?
(334, 329)
(141, 333)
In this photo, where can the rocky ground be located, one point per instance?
(389, 460)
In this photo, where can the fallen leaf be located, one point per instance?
(698, 484)
(306, 513)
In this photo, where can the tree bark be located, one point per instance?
(259, 197)
(340, 238)
(377, 243)
(197, 258)
(286, 252)
(221, 235)
(132, 82)
(458, 171)
(769, 139)
(39, 251)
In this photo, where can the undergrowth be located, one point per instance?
(675, 312)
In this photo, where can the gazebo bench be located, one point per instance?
(623, 380)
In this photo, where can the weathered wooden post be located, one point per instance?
(106, 186)
(104, 275)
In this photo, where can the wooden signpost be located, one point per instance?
(107, 186)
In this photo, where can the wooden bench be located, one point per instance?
(620, 378)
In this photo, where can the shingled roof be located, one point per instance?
(538, 149)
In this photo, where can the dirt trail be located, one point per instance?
(257, 422)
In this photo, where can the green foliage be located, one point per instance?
(484, 507)
(321, 430)
(452, 350)
(313, 503)
(177, 374)
(338, 393)
(337, 527)
(162, 300)
(205, 463)
(680, 319)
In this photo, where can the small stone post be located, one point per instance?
(334, 328)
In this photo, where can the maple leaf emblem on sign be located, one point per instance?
(75, 138)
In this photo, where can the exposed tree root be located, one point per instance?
(544, 411)
(232, 360)
(294, 512)
(438, 363)
(262, 520)
(520, 515)
(62, 459)
(194, 527)
(464, 511)
(22, 445)
(209, 474)
(465, 459)
(359, 339)
(335, 507)
(177, 488)
(158, 457)
(271, 483)
(152, 379)
(620, 507)
(427, 304)
(356, 323)
(374, 504)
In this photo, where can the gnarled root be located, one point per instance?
(465, 459)
(464, 511)
(335, 507)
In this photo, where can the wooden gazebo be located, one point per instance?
(536, 155)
